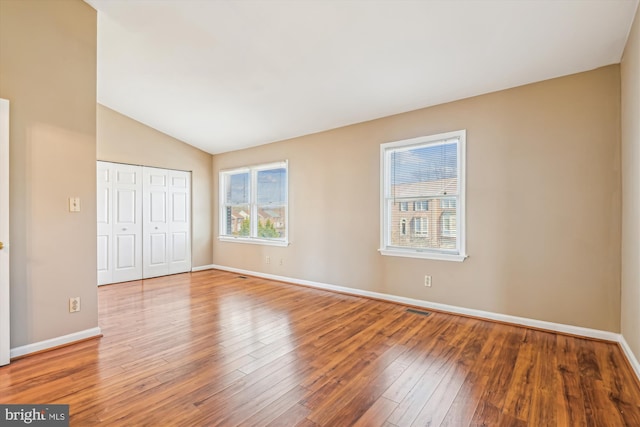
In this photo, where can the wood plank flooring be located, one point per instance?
(213, 349)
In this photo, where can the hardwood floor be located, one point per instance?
(213, 349)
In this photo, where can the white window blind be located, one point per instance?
(428, 174)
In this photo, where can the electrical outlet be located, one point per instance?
(74, 204)
(427, 281)
(267, 259)
(74, 304)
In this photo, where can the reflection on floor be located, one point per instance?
(211, 348)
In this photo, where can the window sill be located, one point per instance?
(423, 255)
(253, 241)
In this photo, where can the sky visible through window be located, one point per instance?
(426, 163)
(271, 187)
(238, 189)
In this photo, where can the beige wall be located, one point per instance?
(48, 72)
(543, 204)
(124, 140)
(630, 76)
(543, 189)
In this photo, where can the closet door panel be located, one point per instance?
(156, 206)
(180, 222)
(127, 222)
(144, 222)
(158, 249)
(103, 200)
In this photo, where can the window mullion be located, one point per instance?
(387, 229)
(253, 197)
(241, 192)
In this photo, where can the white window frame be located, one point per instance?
(443, 231)
(253, 205)
(421, 205)
(444, 203)
(423, 230)
(386, 205)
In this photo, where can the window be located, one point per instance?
(421, 226)
(448, 225)
(253, 204)
(404, 206)
(403, 227)
(430, 173)
(422, 205)
(448, 203)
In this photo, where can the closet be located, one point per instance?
(144, 222)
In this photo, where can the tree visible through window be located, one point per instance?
(253, 203)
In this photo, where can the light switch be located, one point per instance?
(74, 204)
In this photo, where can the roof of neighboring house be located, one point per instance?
(241, 214)
(269, 213)
(435, 188)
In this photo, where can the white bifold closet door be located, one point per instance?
(119, 223)
(144, 222)
(166, 213)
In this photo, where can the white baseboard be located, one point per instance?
(515, 320)
(55, 342)
(635, 364)
(203, 267)
(523, 321)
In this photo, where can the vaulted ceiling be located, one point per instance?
(223, 75)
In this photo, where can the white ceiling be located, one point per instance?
(223, 75)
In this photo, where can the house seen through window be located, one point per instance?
(253, 204)
(427, 175)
